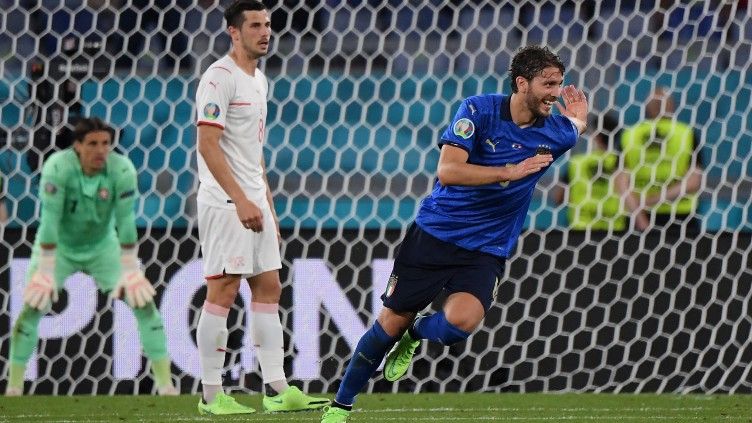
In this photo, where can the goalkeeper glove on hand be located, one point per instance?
(137, 289)
(40, 292)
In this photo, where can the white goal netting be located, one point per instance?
(360, 92)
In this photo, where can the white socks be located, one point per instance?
(211, 338)
(266, 332)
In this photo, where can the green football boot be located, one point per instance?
(334, 415)
(293, 400)
(223, 404)
(399, 358)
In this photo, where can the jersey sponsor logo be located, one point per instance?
(492, 144)
(211, 111)
(127, 194)
(464, 128)
(104, 193)
(50, 188)
(391, 284)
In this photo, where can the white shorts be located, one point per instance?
(229, 248)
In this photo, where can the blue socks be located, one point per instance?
(436, 328)
(375, 343)
(366, 358)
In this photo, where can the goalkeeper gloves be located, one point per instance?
(137, 289)
(40, 292)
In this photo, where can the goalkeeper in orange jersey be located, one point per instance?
(87, 192)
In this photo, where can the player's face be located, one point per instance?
(255, 33)
(93, 150)
(543, 91)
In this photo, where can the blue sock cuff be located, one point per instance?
(381, 334)
(453, 333)
(436, 328)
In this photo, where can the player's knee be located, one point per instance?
(151, 331)
(222, 292)
(149, 310)
(266, 287)
(395, 323)
(464, 323)
(268, 293)
(27, 321)
(464, 311)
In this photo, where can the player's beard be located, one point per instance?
(537, 106)
(253, 53)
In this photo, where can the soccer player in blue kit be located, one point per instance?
(492, 155)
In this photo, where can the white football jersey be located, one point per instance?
(229, 98)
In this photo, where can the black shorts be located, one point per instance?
(425, 266)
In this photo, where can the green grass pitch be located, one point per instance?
(400, 408)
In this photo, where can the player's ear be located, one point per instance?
(234, 33)
(522, 84)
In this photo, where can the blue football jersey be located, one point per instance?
(489, 218)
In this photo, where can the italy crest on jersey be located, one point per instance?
(390, 285)
(464, 128)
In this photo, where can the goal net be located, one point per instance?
(360, 93)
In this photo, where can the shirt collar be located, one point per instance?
(506, 112)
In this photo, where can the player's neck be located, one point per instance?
(245, 63)
(91, 172)
(521, 115)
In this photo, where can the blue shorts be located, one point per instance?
(425, 266)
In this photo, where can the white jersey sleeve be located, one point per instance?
(215, 91)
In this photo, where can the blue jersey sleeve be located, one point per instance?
(569, 131)
(464, 127)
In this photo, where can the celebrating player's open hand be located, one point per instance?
(575, 105)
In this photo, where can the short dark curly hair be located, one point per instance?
(530, 61)
(234, 12)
